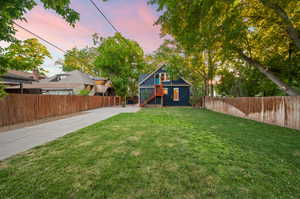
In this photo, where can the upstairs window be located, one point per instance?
(164, 77)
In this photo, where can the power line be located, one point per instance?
(102, 13)
(36, 35)
(48, 42)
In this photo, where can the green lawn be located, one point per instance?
(161, 153)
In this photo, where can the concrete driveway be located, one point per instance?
(19, 140)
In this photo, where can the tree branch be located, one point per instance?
(292, 31)
(282, 85)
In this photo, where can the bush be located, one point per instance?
(84, 92)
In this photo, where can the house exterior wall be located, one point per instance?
(147, 89)
(184, 96)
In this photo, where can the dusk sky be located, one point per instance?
(133, 18)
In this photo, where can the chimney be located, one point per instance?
(36, 74)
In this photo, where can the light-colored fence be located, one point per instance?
(17, 108)
(282, 111)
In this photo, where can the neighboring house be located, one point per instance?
(19, 78)
(103, 87)
(158, 89)
(69, 83)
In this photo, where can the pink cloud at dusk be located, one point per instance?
(136, 21)
(133, 18)
(53, 28)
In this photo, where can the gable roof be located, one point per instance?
(144, 77)
(75, 76)
(19, 75)
(149, 75)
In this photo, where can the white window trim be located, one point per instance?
(177, 99)
(165, 77)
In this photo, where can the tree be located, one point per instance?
(199, 68)
(255, 31)
(29, 54)
(122, 61)
(242, 80)
(12, 10)
(80, 59)
(24, 55)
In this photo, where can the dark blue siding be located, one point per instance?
(184, 91)
(184, 96)
(151, 80)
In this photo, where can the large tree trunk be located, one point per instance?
(283, 86)
(211, 69)
(292, 31)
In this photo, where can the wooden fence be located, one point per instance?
(16, 108)
(282, 111)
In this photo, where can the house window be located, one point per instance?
(166, 91)
(164, 77)
(176, 94)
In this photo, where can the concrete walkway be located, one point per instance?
(19, 140)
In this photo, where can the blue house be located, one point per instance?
(158, 89)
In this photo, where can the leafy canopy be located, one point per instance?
(80, 59)
(29, 54)
(263, 33)
(121, 60)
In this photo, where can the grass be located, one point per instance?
(160, 153)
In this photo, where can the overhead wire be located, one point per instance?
(48, 42)
(105, 17)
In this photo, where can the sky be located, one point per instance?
(133, 18)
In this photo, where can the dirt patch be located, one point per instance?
(3, 165)
(135, 153)
(88, 142)
(297, 153)
(98, 148)
(120, 149)
(133, 138)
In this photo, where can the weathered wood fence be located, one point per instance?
(282, 111)
(16, 108)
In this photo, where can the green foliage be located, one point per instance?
(13, 10)
(122, 61)
(244, 81)
(80, 59)
(197, 95)
(84, 92)
(228, 28)
(2, 92)
(25, 55)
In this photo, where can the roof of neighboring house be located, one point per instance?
(19, 75)
(75, 76)
(49, 85)
(69, 80)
